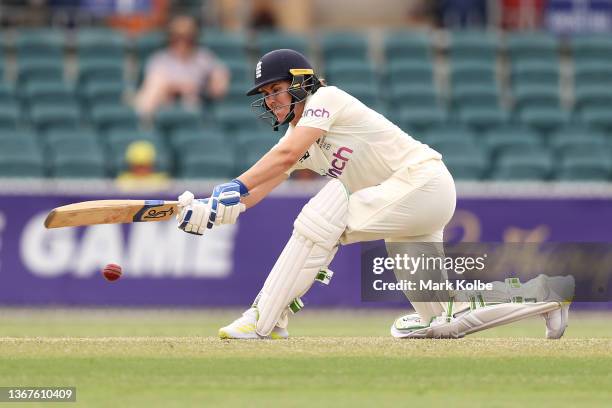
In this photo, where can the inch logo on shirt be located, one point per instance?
(339, 162)
(317, 113)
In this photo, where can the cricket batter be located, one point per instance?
(383, 185)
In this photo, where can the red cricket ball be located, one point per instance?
(111, 272)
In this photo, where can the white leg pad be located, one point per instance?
(316, 232)
(487, 317)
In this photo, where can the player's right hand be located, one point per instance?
(193, 214)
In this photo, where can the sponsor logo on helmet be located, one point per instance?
(258, 70)
(317, 113)
(339, 162)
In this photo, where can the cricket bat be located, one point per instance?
(110, 212)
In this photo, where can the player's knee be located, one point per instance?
(323, 219)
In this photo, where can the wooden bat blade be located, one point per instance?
(110, 212)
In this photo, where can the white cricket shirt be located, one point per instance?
(360, 147)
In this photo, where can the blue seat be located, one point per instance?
(406, 45)
(473, 72)
(345, 71)
(597, 117)
(42, 43)
(344, 45)
(401, 72)
(147, 44)
(532, 46)
(267, 41)
(536, 73)
(592, 73)
(534, 165)
(482, 118)
(535, 96)
(175, 118)
(225, 45)
(39, 70)
(100, 42)
(544, 119)
(586, 96)
(593, 47)
(421, 118)
(473, 45)
(100, 71)
(49, 94)
(109, 118)
(467, 167)
(8, 95)
(206, 160)
(9, 117)
(478, 95)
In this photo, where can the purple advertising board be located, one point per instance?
(226, 267)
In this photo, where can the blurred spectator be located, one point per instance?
(263, 15)
(144, 15)
(522, 14)
(461, 13)
(420, 13)
(182, 72)
(141, 174)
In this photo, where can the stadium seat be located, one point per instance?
(536, 95)
(180, 139)
(593, 47)
(267, 41)
(366, 93)
(175, 118)
(7, 94)
(338, 72)
(240, 70)
(473, 72)
(544, 119)
(536, 73)
(49, 94)
(207, 160)
(251, 146)
(72, 144)
(412, 95)
(9, 117)
(43, 70)
(147, 44)
(580, 168)
(473, 45)
(79, 166)
(447, 130)
(99, 71)
(47, 118)
(234, 117)
(401, 72)
(592, 73)
(501, 143)
(225, 45)
(103, 93)
(109, 118)
(577, 130)
(100, 43)
(472, 167)
(534, 46)
(597, 117)
(586, 96)
(482, 117)
(13, 142)
(583, 146)
(344, 45)
(41, 43)
(55, 139)
(22, 164)
(406, 46)
(417, 119)
(534, 165)
(478, 95)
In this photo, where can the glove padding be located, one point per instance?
(195, 216)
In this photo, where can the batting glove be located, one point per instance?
(225, 203)
(194, 215)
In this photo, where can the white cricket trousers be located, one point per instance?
(413, 205)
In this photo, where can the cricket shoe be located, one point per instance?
(556, 322)
(244, 328)
(410, 326)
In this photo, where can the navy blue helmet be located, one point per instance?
(283, 65)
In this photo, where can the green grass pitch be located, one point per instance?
(144, 358)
